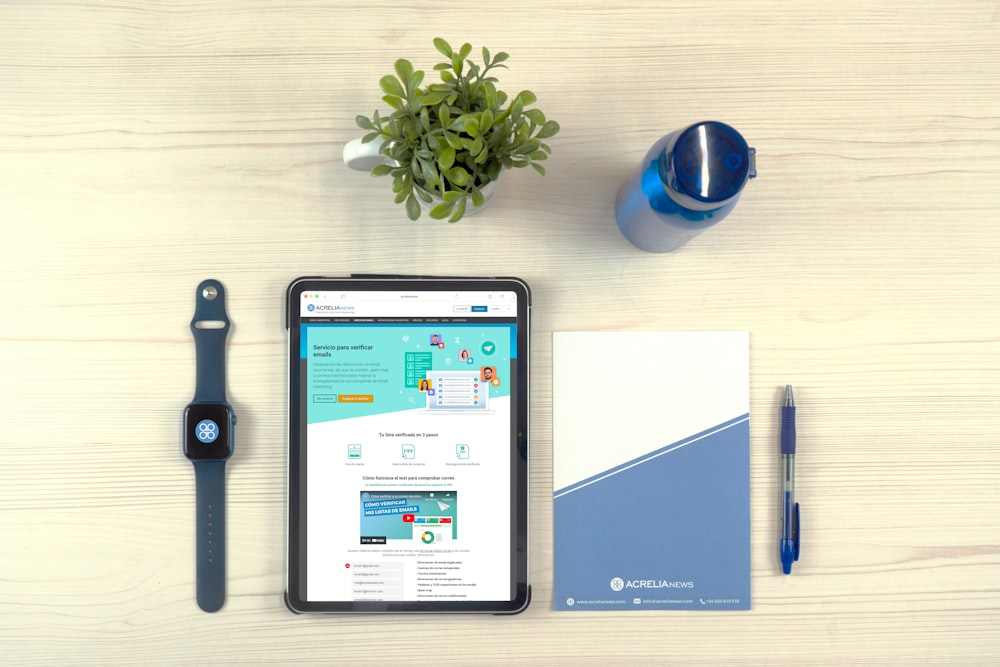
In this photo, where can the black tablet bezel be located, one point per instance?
(295, 568)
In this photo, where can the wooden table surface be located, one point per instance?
(146, 145)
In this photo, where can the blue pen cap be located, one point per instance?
(709, 162)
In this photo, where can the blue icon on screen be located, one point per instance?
(207, 430)
(311, 307)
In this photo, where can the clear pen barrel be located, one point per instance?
(787, 494)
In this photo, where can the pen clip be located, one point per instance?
(795, 531)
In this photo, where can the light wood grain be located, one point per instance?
(146, 145)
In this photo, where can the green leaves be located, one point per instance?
(442, 46)
(549, 129)
(526, 97)
(458, 211)
(453, 205)
(412, 208)
(446, 158)
(390, 85)
(458, 176)
(404, 85)
(404, 69)
(470, 124)
(485, 121)
(451, 138)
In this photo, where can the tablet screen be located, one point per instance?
(408, 447)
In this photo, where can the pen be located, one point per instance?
(788, 544)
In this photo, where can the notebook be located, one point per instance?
(651, 470)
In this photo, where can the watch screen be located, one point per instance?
(206, 431)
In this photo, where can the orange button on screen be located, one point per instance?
(355, 398)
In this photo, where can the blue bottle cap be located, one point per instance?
(710, 162)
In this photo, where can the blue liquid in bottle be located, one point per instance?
(688, 181)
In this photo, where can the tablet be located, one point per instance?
(407, 444)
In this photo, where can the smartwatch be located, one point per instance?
(209, 423)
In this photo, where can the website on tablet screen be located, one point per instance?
(408, 423)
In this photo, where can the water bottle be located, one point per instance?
(688, 181)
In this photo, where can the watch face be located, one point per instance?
(207, 431)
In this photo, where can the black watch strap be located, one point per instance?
(210, 327)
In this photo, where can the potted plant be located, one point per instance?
(448, 142)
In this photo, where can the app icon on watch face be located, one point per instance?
(206, 430)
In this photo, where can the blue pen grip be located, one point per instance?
(788, 430)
